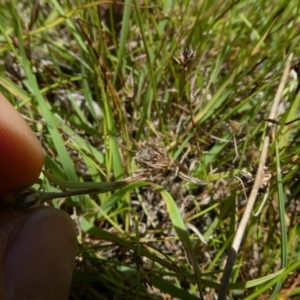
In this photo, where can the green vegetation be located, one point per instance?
(177, 93)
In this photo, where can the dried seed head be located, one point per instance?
(185, 56)
(194, 96)
(247, 179)
(296, 69)
(152, 155)
(265, 183)
(235, 126)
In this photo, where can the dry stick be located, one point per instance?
(250, 203)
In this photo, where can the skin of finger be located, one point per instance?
(21, 154)
(39, 257)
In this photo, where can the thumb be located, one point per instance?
(38, 258)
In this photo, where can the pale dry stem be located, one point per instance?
(257, 183)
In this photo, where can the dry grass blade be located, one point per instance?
(34, 13)
(257, 183)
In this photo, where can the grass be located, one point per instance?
(189, 86)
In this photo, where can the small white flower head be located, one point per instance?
(185, 56)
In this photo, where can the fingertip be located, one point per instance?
(21, 154)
